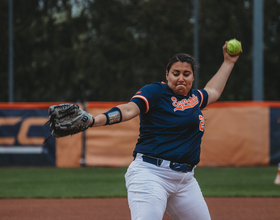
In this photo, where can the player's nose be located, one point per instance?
(181, 78)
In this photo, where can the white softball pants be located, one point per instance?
(152, 190)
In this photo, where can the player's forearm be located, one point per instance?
(217, 84)
(99, 120)
(127, 112)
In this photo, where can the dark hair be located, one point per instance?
(183, 57)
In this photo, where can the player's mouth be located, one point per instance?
(181, 89)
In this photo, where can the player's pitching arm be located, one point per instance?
(217, 83)
(124, 111)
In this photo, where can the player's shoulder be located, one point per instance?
(196, 91)
(154, 87)
(202, 96)
(149, 96)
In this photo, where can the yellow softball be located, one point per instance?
(234, 47)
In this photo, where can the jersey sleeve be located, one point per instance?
(203, 98)
(147, 97)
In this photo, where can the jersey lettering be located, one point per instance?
(202, 122)
(184, 103)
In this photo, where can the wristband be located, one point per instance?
(93, 120)
(113, 116)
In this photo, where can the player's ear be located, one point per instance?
(166, 75)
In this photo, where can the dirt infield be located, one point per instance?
(117, 209)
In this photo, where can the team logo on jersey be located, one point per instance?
(184, 103)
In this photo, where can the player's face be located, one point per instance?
(180, 78)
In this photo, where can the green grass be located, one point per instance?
(62, 182)
(238, 182)
(109, 182)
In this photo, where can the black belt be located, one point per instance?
(174, 166)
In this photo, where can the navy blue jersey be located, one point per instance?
(171, 126)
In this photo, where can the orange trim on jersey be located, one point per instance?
(202, 97)
(163, 82)
(145, 99)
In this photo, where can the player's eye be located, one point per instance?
(187, 73)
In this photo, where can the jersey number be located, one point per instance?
(201, 124)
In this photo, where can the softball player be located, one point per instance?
(161, 176)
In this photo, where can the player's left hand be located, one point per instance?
(68, 119)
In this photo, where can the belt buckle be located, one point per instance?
(184, 168)
(175, 166)
(180, 167)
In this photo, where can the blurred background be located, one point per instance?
(101, 52)
(105, 50)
